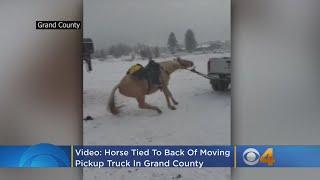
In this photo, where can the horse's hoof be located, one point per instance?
(173, 108)
(175, 103)
(88, 118)
(159, 111)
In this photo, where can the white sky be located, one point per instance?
(110, 22)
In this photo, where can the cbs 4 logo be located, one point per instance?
(252, 157)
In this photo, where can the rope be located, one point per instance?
(199, 73)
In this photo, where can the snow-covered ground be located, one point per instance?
(202, 118)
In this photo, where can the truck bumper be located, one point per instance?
(225, 77)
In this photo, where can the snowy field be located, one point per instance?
(202, 118)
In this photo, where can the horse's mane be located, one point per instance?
(170, 65)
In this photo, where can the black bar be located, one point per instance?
(58, 25)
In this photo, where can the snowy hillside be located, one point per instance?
(202, 118)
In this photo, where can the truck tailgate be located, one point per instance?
(219, 66)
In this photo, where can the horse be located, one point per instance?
(134, 87)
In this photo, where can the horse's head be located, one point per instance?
(184, 64)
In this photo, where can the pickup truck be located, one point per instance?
(219, 73)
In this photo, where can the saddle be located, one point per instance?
(151, 72)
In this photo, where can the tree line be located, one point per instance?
(121, 49)
(145, 51)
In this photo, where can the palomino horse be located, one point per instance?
(131, 86)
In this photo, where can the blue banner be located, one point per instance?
(51, 156)
(153, 156)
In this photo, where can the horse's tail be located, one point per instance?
(111, 102)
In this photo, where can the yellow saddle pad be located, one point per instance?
(135, 68)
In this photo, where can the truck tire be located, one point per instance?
(215, 85)
(224, 85)
(219, 85)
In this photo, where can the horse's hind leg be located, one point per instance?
(144, 105)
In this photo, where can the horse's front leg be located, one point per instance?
(167, 93)
(173, 100)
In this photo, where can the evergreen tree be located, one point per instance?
(172, 43)
(156, 52)
(146, 52)
(190, 41)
